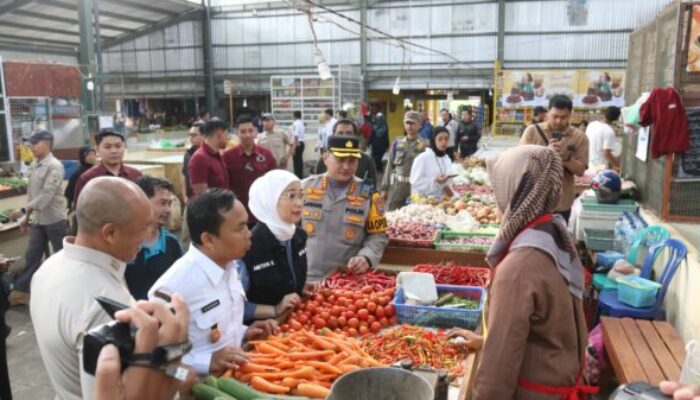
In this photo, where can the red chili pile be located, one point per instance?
(352, 312)
(348, 281)
(421, 346)
(451, 274)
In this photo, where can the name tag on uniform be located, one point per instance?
(262, 266)
(302, 252)
(211, 306)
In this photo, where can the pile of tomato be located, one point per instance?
(350, 312)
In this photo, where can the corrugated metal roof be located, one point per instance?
(54, 23)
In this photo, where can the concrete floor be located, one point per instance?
(28, 376)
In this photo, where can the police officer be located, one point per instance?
(342, 216)
(396, 186)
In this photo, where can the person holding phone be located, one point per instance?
(431, 170)
(571, 144)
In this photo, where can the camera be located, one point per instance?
(638, 391)
(120, 334)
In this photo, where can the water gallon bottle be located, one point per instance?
(618, 234)
(629, 232)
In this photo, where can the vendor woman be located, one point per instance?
(274, 270)
(536, 330)
(430, 173)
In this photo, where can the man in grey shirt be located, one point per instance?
(45, 214)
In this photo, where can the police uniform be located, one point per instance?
(396, 181)
(345, 225)
(216, 300)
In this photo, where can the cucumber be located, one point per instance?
(206, 392)
(242, 391)
(211, 381)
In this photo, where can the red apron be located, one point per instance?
(575, 392)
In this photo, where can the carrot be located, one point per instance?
(338, 358)
(348, 368)
(228, 373)
(285, 364)
(351, 360)
(264, 361)
(303, 373)
(320, 342)
(324, 384)
(325, 377)
(312, 390)
(279, 345)
(268, 387)
(252, 367)
(291, 383)
(306, 355)
(325, 367)
(266, 348)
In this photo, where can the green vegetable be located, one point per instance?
(455, 301)
(211, 381)
(244, 392)
(206, 392)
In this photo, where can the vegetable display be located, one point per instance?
(416, 213)
(422, 347)
(13, 183)
(302, 363)
(352, 312)
(451, 300)
(347, 280)
(451, 274)
(226, 388)
(471, 241)
(473, 189)
(411, 234)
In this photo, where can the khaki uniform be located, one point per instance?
(278, 143)
(574, 146)
(396, 179)
(353, 224)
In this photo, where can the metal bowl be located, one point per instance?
(381, 384)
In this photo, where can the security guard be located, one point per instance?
(396, 186)
(342, 215)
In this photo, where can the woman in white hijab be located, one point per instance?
(274, 273)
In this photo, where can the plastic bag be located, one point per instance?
(418, 287)
(690, 374)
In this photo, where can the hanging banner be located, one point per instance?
(586, 88)
(694, 39)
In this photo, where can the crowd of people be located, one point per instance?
(256, 238)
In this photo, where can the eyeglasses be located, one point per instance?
(293, 195)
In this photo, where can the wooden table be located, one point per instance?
(413, 256)
(641, 350)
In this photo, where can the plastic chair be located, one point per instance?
(608, 303)
(648, 237)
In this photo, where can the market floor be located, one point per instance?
(28, 376)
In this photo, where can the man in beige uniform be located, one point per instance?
(396, 185)
(342, 215)
(114, 218)
(277, 141)
(570, 142)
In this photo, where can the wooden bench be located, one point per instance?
(641, 350)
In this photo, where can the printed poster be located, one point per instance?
(600, 88)
(694, 39)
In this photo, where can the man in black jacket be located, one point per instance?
(467, 130)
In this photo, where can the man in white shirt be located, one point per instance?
(602, 142)
(327, 129)
(452, 126)
(114, 217)
(208, 280)
(299, 130)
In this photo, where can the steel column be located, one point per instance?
(208, 53)
(363, 48)
(86, 60)
(501, 30)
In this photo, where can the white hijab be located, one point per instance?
(263, 196)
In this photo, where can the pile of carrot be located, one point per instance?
(302, 363)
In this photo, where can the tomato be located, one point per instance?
(384, 322)
(363, 314)
(363, 331)
(389, 310)
(371, 319)
(367, 289)
(325, 315)
(332, 299)
(326, 293)
(383, 301)
(352, 332)
(319, 298)
(284, 328)
(342, 321)
(393, 321)
(364, 323)
(337, 310)
(371, 306)
(353, 322)
(295, 325)
(341, 300)
(379, 312)
(332, 323)
(311, 307)
(375, 327)
(359, 304)
(319, 323)
(357, 295)
(303, 319)
(351, 308)
(300, 306)
(349, 314)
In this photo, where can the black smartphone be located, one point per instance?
(556, 136)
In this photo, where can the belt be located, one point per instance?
(402, 179)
